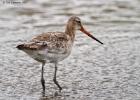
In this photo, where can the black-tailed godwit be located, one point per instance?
(53, 47)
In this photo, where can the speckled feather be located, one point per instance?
(49, 39)
(54, 46)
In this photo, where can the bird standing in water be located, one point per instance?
(53, 47)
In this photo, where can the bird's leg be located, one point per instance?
(54, 79)
(42, 79)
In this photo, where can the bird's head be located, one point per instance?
(75, 24)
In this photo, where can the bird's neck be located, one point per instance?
(70, 30)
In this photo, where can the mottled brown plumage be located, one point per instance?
(44, 40)
(52, 47)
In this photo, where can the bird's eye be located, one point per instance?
(78, 21)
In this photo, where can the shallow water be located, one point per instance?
(93, 71)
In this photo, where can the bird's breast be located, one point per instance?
(56, 52)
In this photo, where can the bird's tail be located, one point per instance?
(32, 46)
(20, 47)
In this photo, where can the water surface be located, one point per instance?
(93, 71)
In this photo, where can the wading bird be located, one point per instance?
(53, 47)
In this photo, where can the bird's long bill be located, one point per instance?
(87, 33)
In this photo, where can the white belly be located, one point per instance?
(44, 55)
(52, 53)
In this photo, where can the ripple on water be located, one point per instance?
(92, 72)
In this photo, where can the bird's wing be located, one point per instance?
(32, 45)
(53, 41)
(51, 37)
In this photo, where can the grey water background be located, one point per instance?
(92, 71)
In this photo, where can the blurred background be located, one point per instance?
(93, 71)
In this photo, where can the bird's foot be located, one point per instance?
(56, 94)
(60, 89)
(43, 93)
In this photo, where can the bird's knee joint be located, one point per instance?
(54, 80)
(42, 80)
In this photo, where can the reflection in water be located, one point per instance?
(56, 96)
(51, 98)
